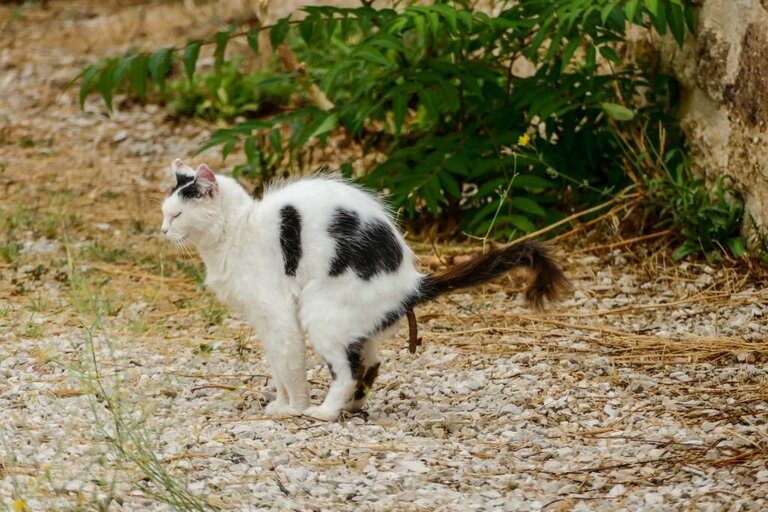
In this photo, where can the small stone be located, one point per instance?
(415, 466)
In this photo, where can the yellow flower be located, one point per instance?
(19, 506)
(523, 140)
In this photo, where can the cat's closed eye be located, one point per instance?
(176, 216)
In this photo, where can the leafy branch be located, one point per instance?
(432, 90)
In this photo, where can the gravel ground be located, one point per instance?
(123, 386)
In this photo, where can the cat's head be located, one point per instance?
(192, 210)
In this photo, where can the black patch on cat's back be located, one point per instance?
(367, 248)
(290, 238)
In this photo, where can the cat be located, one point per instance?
(320, 259)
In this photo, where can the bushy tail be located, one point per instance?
(548, 278)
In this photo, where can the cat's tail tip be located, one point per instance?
(548, 282)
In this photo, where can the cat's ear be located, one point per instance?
(206, 180)
(180, 170)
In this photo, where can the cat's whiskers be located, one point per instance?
(187, 250)
(184, 250)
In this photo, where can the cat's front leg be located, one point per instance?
(285, 351)
(277, 407)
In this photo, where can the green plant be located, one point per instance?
(433, 91)
(130, 441)
(9, 251)
(707, 218)
(227, 92)
(100, 252)
(213, 314)
(116, 420)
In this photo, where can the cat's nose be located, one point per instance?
(164, 231)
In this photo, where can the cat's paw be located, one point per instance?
(322, 413)
(280, 409)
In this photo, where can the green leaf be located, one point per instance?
(253, 39)
(250, 149)
(527, 205)
(278, 33)
(590, 59)
(610, 54)
(658, 18)
(420, 28)
(90, 75)
(159, 65)
(328, 124)
(227, 148)
(139, 71)
(683, 251)
(522, 223)
(430, 105)
(618, 112)
(450, 184)
(652, 6)
(493, 186)
(538, 39)
(433, 193)
(399, 109)
(630, 8)
(306, 29)
(107, 83)
(276, 140)
(607, 10)
(191, 53)
(384, 40)
(737, 246)
(221, 38)
(531, 181)
(449, 13)
(568, 52)
(372, 55)
(123, 65)
(676, 19)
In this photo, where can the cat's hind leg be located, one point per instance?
(365, 375)
(343, 316)
(344, 361)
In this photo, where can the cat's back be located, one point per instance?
(315, 218)
(318, 195)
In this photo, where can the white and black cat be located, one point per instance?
(319, 259)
